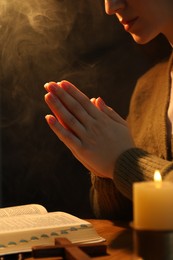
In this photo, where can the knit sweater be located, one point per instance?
(148, 122)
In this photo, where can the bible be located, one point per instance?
(26, 226)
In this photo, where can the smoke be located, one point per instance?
(45, 40)
(40, 41)
(30, 32)
(33, 28)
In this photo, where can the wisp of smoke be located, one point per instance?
(44, 40)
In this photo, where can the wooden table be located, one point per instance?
(118, 237)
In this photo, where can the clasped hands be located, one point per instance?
(94, 132)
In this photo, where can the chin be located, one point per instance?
(141, 39)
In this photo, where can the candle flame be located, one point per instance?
(157, 176)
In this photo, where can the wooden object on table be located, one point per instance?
(63, 247)
(118, 237)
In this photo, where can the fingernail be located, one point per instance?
(50, 119)
(101, 101)
(46, 85)
(65, 84)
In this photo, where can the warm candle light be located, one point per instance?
(157, 179)
(153, 205)
(157, 176)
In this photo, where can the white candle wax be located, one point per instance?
(153, 205)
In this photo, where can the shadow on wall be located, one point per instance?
(51, 40)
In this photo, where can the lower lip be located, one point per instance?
(129, 25)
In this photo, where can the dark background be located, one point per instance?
(51, 40)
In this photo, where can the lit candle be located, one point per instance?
(153, 204)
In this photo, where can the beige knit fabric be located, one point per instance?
(148, 121)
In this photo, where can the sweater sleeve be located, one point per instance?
(112, 199)
(137, 165)
(147, 122)
(107, 201)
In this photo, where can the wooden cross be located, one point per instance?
(68, 251)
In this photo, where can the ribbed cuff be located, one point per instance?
(137, 165)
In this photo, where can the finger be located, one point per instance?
(65, 135)
(109, 111)
(93, 100)
(70, 140)
(80, 97)
(47, 85)
(72, 104)
(63, 115)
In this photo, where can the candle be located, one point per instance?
(153, 204)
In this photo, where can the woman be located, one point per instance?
(115, 153)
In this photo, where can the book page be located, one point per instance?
(21, 240)
(42, 221)
(22, 210)
(20, 233)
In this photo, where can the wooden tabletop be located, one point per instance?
(118, 237)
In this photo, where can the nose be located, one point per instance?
(112, 6)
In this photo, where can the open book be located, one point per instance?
(22, 227)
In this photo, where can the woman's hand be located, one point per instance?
(94, 133)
